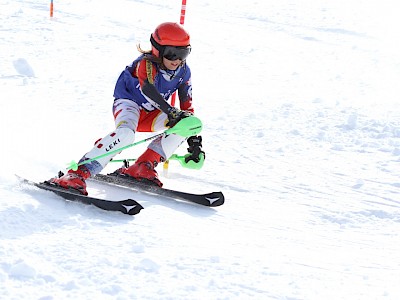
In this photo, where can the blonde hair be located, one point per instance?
(149, 55)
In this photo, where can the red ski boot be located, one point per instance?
(144, 167)
(74, 179)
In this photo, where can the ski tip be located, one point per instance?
(216, 199)
(131, 207)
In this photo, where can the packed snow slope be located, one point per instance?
(301, 114)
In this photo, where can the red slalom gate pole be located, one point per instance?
(51, 8)
(182, 22)
(183, 12)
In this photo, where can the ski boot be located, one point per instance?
(144, 168)
(74, 179)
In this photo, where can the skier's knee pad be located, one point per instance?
(167, 145)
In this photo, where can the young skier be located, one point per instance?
(141, 94)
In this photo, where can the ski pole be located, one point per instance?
(182, 22)
(173, 97)
(186, 127)
(177, 157)
(180, 158)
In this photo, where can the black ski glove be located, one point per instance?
(175, 115)
(194, 149)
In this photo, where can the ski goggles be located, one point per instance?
(174, 53)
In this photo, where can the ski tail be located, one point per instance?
(127, 206)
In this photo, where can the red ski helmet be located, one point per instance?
(170, 40)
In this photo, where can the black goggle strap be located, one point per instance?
(155, 44)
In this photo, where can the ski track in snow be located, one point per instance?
(302, 134)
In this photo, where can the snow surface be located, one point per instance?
(300, 105)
